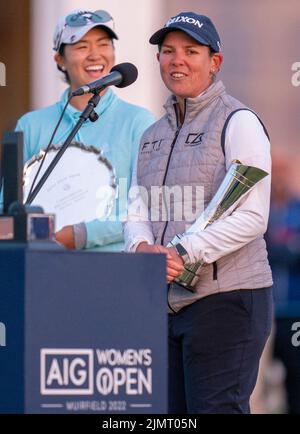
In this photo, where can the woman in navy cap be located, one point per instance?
(217, 329)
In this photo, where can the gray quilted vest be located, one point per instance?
(192, 155)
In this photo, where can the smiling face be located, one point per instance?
(88, 59)
(187, 68)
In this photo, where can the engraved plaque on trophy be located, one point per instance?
(82, 186)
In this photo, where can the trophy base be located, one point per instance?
(189, 277)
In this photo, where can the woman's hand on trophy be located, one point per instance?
(65, 236)
(174, 261)
(175, 264)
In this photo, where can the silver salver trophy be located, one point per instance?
(238, 180)
(82, 186)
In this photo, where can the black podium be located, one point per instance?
(82, 332)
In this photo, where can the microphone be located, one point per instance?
(121, 75)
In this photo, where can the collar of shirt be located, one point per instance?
(105, 102)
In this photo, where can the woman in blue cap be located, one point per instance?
(217, 330)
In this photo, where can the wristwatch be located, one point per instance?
(182, 252)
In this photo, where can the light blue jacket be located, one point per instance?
(117, 132)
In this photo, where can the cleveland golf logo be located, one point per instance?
(2, 335)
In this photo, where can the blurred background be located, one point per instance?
(260, 40)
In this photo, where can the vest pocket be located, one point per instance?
(215, 270)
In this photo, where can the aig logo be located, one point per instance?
(2, 335)
(67, 371)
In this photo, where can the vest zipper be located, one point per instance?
(179, 126)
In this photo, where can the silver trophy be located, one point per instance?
(238, 181)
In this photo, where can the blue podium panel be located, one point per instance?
(94, 329)
(12, 276)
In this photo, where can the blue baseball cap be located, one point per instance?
(198, 27)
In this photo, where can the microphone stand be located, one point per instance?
(88, 113)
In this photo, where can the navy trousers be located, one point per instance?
(214, 349)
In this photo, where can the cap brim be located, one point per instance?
(90, 26)
(74, 34)
(111, 33)
(158, 37)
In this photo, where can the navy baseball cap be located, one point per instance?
(198, 27)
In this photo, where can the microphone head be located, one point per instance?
(128, 72)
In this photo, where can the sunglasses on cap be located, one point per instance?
(84, 17)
